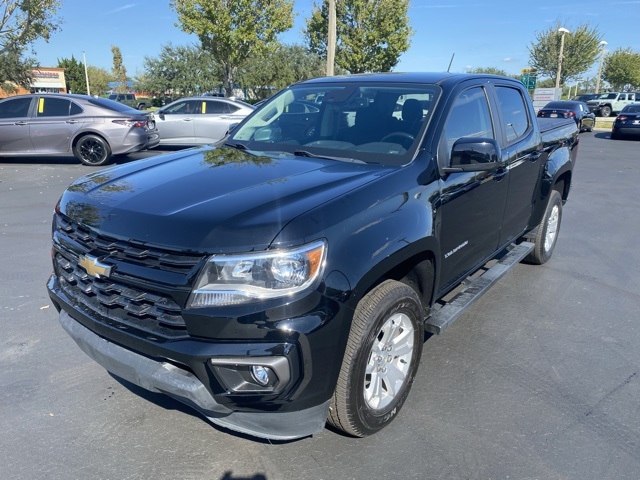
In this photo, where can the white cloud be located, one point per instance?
(124, 7)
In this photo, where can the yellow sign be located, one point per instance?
(204, 107)
(40, 105)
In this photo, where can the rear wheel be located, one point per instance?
(381, 360)
(92, 150)
(546, 235)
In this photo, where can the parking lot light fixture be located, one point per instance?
(602, 44)
(562, 31)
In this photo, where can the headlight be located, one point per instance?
(251, 277)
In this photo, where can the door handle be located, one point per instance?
(187, 119)
(72, 121)
(532, 157)
(21, 123)
(500, 174)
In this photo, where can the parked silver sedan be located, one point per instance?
(198, 120)
(91, 129)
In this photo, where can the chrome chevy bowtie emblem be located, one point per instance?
(94, 267)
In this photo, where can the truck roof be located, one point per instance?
(407, 77)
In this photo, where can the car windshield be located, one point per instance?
(361, 121)
(631, 109)
(111, 105)
(608, 96)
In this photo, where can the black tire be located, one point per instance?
(92, 150)
(392, 308)
(605, 111)
(142, 106)
(546, 235)
(615, 136)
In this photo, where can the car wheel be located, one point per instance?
(615, 136)
(546, 235)
(605, 111)
(92, 150)
(381, 359)
(142, 106)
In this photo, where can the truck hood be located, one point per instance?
(208, 199)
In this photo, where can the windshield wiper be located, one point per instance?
(237, 146)
(305, 153)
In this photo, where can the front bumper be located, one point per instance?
(201, 368)
(167, 378)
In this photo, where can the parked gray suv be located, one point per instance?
(91, 129)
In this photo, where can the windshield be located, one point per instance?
(608, 96)
(631, 109)
(370, 122)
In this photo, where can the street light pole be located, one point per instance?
(562, 31)
(86, 73)
(331, 40)
(603, 44)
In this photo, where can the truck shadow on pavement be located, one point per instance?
(169, 403)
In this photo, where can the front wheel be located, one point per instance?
(381, 360)
(546, 235)
(605, 111)
(92, 150)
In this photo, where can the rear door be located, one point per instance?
(522, 150)
(213, 120)
(14, 126)
(54, 124)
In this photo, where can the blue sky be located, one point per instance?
(492, 33)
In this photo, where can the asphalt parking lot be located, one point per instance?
(540, 379)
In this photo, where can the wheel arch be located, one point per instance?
(415, 266)
(84, 133)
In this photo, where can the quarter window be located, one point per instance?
(514, 112)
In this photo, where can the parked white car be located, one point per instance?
(612, 102)
(198, 120)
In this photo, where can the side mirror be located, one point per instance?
(160, 114)
(470, 154)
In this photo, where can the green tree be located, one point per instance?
(179, 70)
(371, 34)
(288, 64)
(581, 48)
(119, 71)
(21, 23)
(73, 74)
(490, 71)
(234, 30)
(622, 69)
(99, 79)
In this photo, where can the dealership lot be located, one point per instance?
(539, 379)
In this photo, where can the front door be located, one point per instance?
(472, 203)
(14, 126)
(175, 123)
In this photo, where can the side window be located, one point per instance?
(75, 109)
(469, 117)
(213, 107)
(514, 112)
(18, 107)
(188, 107)
(53, 107)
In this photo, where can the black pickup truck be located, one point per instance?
(287, 276)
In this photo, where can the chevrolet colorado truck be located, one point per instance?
(286, 276)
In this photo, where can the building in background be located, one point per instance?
(45, 80)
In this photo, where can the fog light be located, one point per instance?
(260, 374)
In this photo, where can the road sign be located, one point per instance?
(529, 80)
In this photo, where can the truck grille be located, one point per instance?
(115, 300)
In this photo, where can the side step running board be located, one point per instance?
(474, 289)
